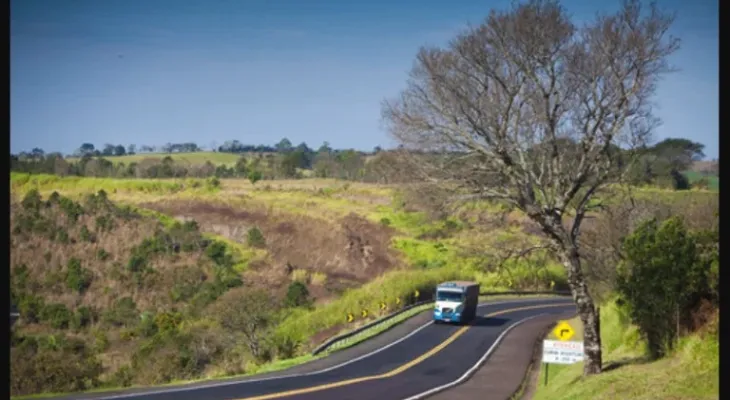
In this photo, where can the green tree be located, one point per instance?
(659, 279)
(297, 295)
(250, 313)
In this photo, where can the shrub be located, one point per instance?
(147, 326)
(297, 295)
(123, 377)
(122, 313)
(36, 371)
(102, 255)
(30, 308)
(32, 201)
(57, 315)
(104, 223)
(78, 278)
(216, 251)
(20, 277)
(256, 238)
(62, 236)
(659, 280)
(100, 342)
(86, 235)
(254, 176)
(168, 322)
(213, 183)
(82, 318)
(72, 209)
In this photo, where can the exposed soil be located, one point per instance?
(349, 252)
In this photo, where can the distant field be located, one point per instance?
(713, 180)
(199, 157)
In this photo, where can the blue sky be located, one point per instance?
(207, 71)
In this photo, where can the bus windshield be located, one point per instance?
(448, 296)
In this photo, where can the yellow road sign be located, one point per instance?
(383, 306)
(552, 284)
(364, 313)
(417, 293)
(397, 300)
(564, 331)
(350, 317)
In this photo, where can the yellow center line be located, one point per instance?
(400, 369)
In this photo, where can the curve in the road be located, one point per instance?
(418, 360)
(428, 357)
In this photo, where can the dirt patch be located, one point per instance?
(349, 252)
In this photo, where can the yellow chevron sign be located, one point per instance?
(350, 317)
(564, 331)
(364, 313)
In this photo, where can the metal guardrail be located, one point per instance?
(339, 338)
(324, 346)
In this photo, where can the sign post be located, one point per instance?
(562, 351)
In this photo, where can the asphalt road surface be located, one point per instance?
(427, 358)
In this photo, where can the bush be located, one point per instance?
(102, 255)
(82, 318)
(30, 308)
(216, 251)
(122, 313)
(57, 315)
(32, 201)
(297, 295)
(147, 326)
(254, 176)
(213, 183)
(78, 278)
(256, 238)
(660, 279)
(43, 370)
(86, 235)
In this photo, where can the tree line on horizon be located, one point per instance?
(229, 146)
(661, 164)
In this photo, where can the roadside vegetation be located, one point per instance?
(660, 314)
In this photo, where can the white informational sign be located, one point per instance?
(561, 352)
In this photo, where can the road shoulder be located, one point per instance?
(504, 372)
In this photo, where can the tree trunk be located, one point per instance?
(586, 311)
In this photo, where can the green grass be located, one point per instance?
(712, 180)
(691, 372)
(21, 183)
(199, 157)
(303, 324)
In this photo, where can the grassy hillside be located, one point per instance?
(691, 372)
(132, 281)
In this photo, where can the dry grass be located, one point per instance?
(349, 251)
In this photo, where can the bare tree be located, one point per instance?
(533, 110)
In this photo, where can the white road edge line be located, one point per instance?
(229, 383)
(476, 366)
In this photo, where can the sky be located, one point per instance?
(208, 71)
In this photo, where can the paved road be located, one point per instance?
(429, 357)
